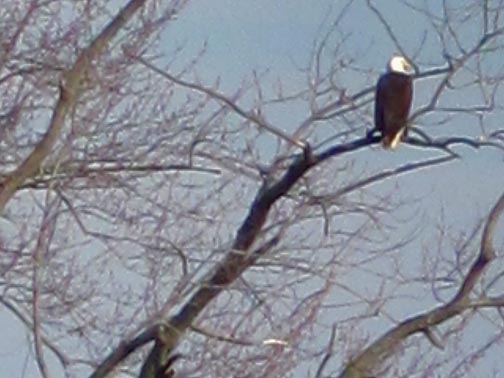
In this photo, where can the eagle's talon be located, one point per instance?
(371, 133)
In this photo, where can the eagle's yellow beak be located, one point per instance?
(407, 66)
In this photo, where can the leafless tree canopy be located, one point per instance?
(153, 224)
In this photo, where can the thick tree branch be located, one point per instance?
(238, 259)
(125, 348)
(373, 356)
(235, 262)
(69, 93)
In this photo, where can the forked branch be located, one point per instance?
(376, 354)
(69, 92)
(237, 260)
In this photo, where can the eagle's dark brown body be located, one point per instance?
(394, 94)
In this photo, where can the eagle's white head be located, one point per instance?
(399, 64)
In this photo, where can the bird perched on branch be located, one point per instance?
(394, 93)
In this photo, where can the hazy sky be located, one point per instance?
(278, 36)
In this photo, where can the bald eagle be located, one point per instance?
(394, 93)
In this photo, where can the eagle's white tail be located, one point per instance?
(392, 143)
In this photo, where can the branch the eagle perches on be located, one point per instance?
(167, 334)
(244, 252)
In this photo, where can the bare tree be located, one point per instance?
(143, 230)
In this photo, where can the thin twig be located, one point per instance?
(253, 117)
(328, 354)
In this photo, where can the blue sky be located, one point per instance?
(278, 36)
